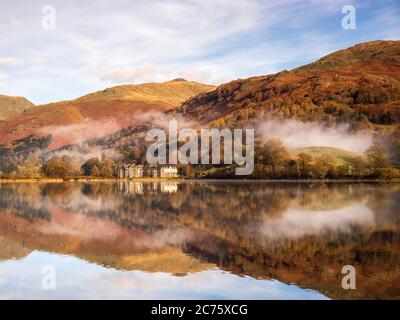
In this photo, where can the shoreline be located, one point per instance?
(60, 180)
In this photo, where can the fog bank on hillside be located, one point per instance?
(296, 134)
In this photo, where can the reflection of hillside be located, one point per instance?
(330, 197)
(95, 239)
(12, 250)
(313, 258)
(171, 260)
(297, 233)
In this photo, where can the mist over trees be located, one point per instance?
(273, 160)
(60, 167)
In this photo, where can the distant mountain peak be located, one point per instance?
(179, 80)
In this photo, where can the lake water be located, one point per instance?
(198, 240)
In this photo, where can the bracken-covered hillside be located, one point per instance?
(99, 113)
(359, 85)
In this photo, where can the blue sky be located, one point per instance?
(98, 43)
(78, 279)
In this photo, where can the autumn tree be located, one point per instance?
(54, 168)
(30, 168)
(59, 167)
(304, 161)
(343, 170)
(137, 154)
(94, 167)
(388, 173)
(273, 154)
(322, 166)
(293, 170)
(359, 167)
(87, 167)
(94, 171)
(393, 147)
(376, 158)
(108, 168)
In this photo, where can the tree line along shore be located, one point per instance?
(272, 160)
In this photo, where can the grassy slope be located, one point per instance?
(172, 92)
(10, 106)
(339, 156)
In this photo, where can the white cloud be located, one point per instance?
(3, 77)
(9, 61)
(129, 74)
(15, 22)
(98, 43)
(149, 72)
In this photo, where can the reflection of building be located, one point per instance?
(130, 187)
(132, 170)
(168, 172)
(139, 188)
(169, 187)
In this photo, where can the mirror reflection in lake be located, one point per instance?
(199, 240)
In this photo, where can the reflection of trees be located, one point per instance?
(386, 202)
(322, 196)
(29, 208)
(222, 218)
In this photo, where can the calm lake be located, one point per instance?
(198, 240)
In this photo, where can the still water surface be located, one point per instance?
(198, 240)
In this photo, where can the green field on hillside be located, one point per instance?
(339, 156)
